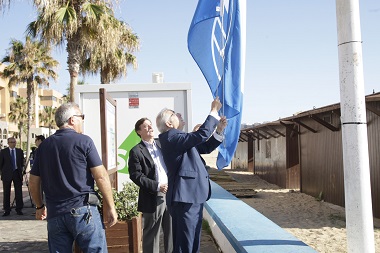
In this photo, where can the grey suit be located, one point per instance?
(8, 175)
(151, 203)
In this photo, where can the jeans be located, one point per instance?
(89, 234)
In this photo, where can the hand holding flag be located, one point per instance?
(216, 105)
(222, 125)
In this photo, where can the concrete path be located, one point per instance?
(23, 233)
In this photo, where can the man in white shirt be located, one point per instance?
(147, 169)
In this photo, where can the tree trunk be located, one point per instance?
(104, 77)
(73, 80)
(29, 94)
(73, 60)
(19, 134)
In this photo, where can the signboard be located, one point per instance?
(134, 100)
(151, 99)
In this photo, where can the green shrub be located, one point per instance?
(125, 201)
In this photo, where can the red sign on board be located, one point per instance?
(134, 102)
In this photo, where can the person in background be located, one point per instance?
(188, 180)
(147, 170)
(66, 165)
(38, 140)
(11, 169)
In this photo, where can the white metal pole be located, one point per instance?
(357, 184)
(222, 42)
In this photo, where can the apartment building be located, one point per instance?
(43, 98)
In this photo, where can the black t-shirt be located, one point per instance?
(63, 163)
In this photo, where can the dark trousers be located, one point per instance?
(17, 185)
(187, 226)
(153, 222)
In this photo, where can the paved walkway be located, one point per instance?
(23, 233)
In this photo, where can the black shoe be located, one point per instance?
(6, 214)
(19, 213)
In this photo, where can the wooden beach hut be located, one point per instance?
(304, 152)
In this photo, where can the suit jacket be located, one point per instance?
(142, 172)
(187, 174)
(6, 164)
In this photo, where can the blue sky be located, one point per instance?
(291, 58)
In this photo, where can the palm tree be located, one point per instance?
(75, 22)
(19, 114)
(47, 117)
(111, 61)
(29, 63)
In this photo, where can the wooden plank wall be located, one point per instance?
(273, 168)
(293, 177)
(320, 167)
(373, 123)
(251, 155)
(240, 159)
(322, 160)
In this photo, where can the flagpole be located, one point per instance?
(223, 56)
(223, 52)
(357, 184)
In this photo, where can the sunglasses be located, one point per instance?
(81, 115)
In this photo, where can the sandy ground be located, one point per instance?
(319, 224)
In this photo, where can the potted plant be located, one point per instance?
(126, 234)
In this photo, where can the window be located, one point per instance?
(13, 94)
(48, 98)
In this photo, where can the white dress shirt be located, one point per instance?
(159, 163)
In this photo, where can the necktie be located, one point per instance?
(13, 159)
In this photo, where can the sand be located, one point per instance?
(319, 224)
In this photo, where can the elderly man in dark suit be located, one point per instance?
(11, 168)
(147, 169)
(189, 185)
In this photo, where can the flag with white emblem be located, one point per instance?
(216, 40)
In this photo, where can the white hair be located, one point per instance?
(64, 113)
(161, 119)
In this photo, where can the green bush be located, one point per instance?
(125, 201)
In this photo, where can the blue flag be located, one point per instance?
(216, 40)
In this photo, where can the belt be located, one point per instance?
(91, 199)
